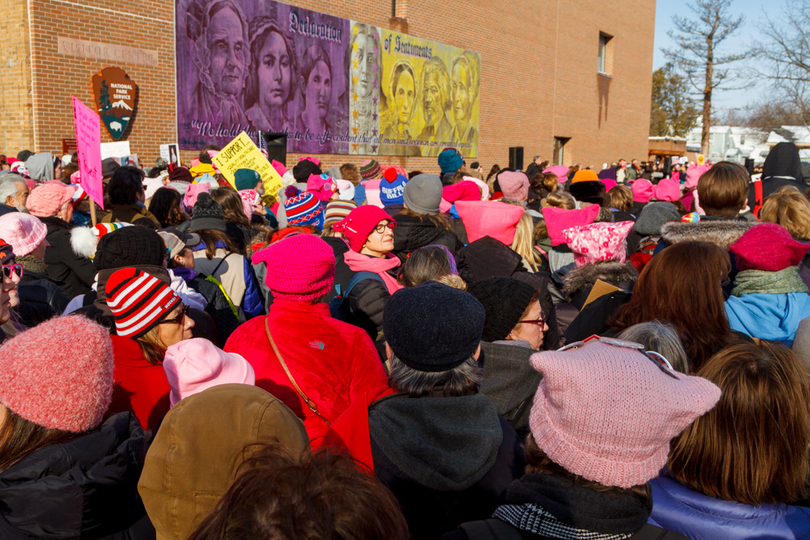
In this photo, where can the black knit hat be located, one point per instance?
(433, 327)
(207, 215)
(129, 246)
(304, 169)
(504, 300)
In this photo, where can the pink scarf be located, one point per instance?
(364, 263)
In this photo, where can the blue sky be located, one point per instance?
(753, 11)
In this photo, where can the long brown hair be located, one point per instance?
(20, 437)
(211, 237)
(152, 347)
(752, 447)
(681, 286)
(231, 203)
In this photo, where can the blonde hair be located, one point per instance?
(523, 243)
(152, 347)
(559, 199)
(790, 209)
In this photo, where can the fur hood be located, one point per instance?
(612, 272)
(720, 232)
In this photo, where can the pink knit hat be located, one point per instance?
(559, 219)
(194, 365)
(768, 247)
(46, 199)
(642, 190)
(463, 191)
(59, 374)
(598, 242)
(694, 173)
(279, 167)
(514, 184)
(359, 223)
(193, 191)
(23, 231)
(484, 188)
(490, 218)
(322, 186)
(607, 413)
(299, 267)
(668, 190)
(560, 171)
(250, 198)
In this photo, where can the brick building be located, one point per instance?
(569, 81)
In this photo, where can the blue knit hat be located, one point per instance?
(392, 187)
(245, 179)
(450, 160)
(303, 208)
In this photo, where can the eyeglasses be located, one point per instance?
(380, 228)
(177, 320)
(10, 270)
(656, 358)
(540, 322)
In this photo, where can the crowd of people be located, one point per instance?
(377, 353)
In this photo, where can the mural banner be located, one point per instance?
(334, 86)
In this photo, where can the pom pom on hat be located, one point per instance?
(303, 208)
(392, 187)
(206, 214)
(598, 242)
(768, 247)
(300, 267)
(193, 191)
(59, 374)
(608, 413)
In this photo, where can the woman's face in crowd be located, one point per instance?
(274, 71)
(531, 332)
(319, 89)
(170, 333)
(461, 92)
(14, 293)
(185, 258)
(5, 299)
(226, 44)
(404, 96)
(363, 61)
(379, 244)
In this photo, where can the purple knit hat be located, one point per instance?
(299, 268)
(607, 413)
(59, 374)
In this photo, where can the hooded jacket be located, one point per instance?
(681, 509)
(40, 167)
(333, 362)
(486, 258)
(40, 296)
(82, 488)
(447, 459)
(774, 317)
(782, 167)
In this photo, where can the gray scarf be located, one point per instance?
(784, 281)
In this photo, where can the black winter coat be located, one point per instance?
(74, 273)
(86, 488)
(487, 258)
(40, 299)
(411, 233)
(366, 300)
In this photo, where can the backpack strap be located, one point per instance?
(758, 198)
(490, 529)
(357, 278)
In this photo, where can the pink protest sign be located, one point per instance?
(88, 144)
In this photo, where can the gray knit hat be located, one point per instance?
(423, 193)
(207, 215)
(653, 217)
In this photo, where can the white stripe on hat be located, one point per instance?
(146, 315)
(125, 295)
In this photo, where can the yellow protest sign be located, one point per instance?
(242, 153)
(701, 159)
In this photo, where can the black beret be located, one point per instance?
(504, 300)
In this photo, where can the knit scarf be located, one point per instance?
(762, 282)
(357, 262)
(32, 264)
(532, 518)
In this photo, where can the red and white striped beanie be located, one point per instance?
(138, 301)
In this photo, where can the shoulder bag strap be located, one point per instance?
(309, 402)
(222, 260)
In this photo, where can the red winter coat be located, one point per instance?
(140, 387)
(334, 363)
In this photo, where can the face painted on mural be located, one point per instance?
(226, 45)
(275, 72)
(404, 96)
(365, 60)
(319, 89)
(432, 98)
(462, 101)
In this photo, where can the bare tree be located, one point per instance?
(785, 50)
(696, 52)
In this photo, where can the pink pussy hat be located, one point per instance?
(194, 365)
(607, 413)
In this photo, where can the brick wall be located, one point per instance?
(16, 105)
(538, 71)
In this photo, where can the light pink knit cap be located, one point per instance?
(194, 365)
(23, 232)
(607, 413)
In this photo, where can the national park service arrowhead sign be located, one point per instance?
(116, 98)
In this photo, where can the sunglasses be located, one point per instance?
(656, 358)
(540, 322)
(10, 270)
(379, 229)
(177, 320)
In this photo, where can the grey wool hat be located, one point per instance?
(207, 215)
(423, 193)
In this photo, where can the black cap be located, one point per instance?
(504, 300)
(129, 246)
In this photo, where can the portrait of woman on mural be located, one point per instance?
(363, 59)
(465, 73)
(403, 87)
(270, 85)
(315, 81)
(436, 104)
(217, 33)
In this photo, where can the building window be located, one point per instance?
(605, 64)
(559, 150)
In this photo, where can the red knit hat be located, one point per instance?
(299, 267)
(59, 374)
(359, 223)
(768, 247)
(138, 301)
